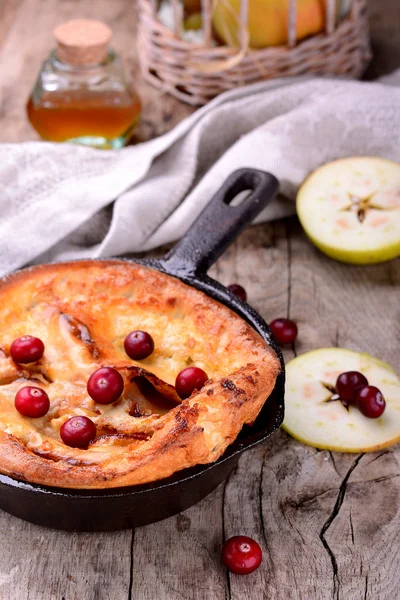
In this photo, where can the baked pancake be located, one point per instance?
(82, 312)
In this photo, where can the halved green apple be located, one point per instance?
(314, 418)
(350, 209)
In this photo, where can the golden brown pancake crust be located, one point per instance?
(82, 311)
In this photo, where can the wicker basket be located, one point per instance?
(196, 73)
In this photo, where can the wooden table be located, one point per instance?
(328, 523)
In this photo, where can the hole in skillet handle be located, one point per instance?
(216, 228)
(220, 223)
(238, 192)
(239, 198)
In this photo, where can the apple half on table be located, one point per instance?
(350, 209)
(315, 416)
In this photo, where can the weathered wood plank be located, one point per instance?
(351, 306)
(178, 558)
(330, 523)
(329, 496)
(38, 563)
(259, 261)
(311, 510)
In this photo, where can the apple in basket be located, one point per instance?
(267, 21)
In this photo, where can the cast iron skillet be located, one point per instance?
(120, 508)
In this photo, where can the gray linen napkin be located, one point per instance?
(61, 201)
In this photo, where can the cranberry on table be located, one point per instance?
(105, 385)
(348, 385)
(370, 402)
(27, 349)
(188, 380)
(284, 330)
(78, 432)
(238, 290)
(241, 555)
(138, 345)
(32, 402)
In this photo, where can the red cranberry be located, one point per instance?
(238, 290)
(78, 432)
(284, 330)
(241, 554)
(370, 402)
(188, 380)
(32, 402)
(105, 385)
(349, 384)
(138, 345)
(27, 349)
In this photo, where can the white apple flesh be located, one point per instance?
(350, 209)
(314, 419)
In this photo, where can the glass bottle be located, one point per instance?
(81, 94)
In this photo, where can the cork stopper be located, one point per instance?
(82, 41)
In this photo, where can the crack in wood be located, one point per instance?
(351, 528)
(366, 588)
(328, 523)
(228, 594)
(383, 478)
(379, 456)
(306, 501)
(260, 510)
(333, 462)
(130, 589)
(261, 497)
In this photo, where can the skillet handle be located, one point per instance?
(220, 224)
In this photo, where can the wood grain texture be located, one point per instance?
(8, 12)
(328, 523)
(179, 558)
(38, 563)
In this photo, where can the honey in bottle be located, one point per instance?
(81, 94)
